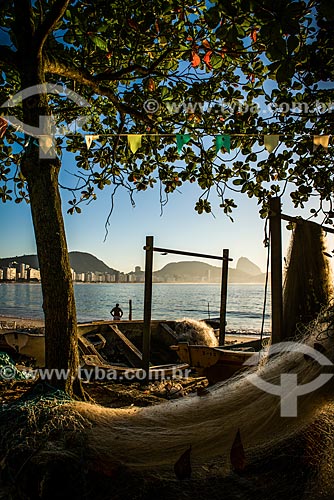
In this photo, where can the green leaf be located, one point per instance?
(99, 42)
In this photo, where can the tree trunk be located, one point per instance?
(61, 349)
(61, 352)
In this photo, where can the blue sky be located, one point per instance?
(179, 227)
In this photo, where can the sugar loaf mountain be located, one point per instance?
(87, 268)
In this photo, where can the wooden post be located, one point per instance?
(223, 297)
(147, 305)
(130, 309)
(276, 271)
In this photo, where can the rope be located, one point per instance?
(267, 243)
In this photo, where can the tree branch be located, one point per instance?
(8, 56)
(83, 77)
(46, 27)
(108, 75)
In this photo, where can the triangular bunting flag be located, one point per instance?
(45, 143)
(223, 141)
(181, 140)
(89, 139)
(271, 142)
(3, 127)
(134, 141)
(320, 140)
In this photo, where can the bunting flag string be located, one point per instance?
(320, 140)
(134, 142)
(222, 141)
(181, 140)
(271, 142)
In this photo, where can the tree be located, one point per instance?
(157, 68)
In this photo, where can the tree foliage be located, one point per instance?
(242, 68)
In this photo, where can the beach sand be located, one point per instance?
(21, 322)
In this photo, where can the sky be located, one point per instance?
(180, 227)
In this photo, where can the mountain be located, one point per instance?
(246, 266)
(194, 271)
(81, 262)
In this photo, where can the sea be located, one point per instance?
(245, 302)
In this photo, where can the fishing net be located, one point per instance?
(308, 278)
(291, 454)
(195, 332)
(8, 370)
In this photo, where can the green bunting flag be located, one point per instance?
(181, 140)
(134, 141)
(223, 141)
(271, 142)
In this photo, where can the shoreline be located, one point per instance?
(39, 323)
(138, 283)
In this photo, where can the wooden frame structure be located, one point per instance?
(275, 219)
(150, 249)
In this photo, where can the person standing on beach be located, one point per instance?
(116, 312)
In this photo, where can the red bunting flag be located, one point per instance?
(3, 127)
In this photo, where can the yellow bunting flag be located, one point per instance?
(134, 141)
(89, 139)
(271, 142)
(320, 140)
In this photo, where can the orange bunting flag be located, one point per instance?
(3, 127)
(207, 59)
(134, 141)
(195, 59)
(271, 142)
(89, 139)
(320, 140)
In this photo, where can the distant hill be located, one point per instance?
(194, 271)
(81, 262)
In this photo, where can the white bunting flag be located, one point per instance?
(89, 139)
(46, 143)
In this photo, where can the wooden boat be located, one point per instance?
(111, 347)
(25, 343)
(116, 346)
(217, 363)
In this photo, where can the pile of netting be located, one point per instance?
(136, 449)
(195, 332)
(308, 282)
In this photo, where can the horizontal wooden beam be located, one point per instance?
(288, 218)
(191, 254)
